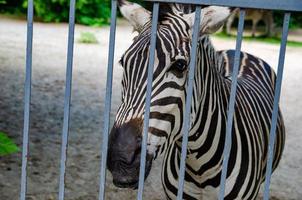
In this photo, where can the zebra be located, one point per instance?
(212, 81)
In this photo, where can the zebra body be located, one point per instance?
(252, 119)
(211, 91)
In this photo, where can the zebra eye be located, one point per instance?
(179, 65)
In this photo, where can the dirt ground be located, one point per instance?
(90, 63)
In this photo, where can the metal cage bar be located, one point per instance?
(288, 5)
(67, 99)
(231, 108)
(186, 123)
(291, 5)
(276, 105)
(27, 99)
(104, 151)
(148, 101)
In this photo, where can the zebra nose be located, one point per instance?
(124, 144)
(124, 154)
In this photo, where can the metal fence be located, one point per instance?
(288, 6)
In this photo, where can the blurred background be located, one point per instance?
(89, 78)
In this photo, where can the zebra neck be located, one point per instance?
(208, 83)
(208, 95)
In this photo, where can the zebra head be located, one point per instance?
(172, 57)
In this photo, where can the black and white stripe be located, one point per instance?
(212, 83)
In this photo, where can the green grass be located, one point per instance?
(7, 146)
(269, 40)
(87, 38)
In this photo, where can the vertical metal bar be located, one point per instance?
(67, 99)
(108, 101)
(148, 101)
(276, 106)
(186, 123)
(27, 98)
(231, 109)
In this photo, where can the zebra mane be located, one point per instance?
(184, 8)
(167, 7)
(174, 8)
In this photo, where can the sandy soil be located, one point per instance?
(90, 62)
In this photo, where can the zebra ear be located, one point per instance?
(212, 18)
(135, 14)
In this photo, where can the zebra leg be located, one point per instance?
(269, 24)
(254, 28)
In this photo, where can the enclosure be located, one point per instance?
(83, 90)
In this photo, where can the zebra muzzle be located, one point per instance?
(124, 155)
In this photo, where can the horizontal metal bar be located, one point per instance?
(286, 5)
(186, 123)
(67, 99)
(231, 109)
(27, 98)
(148, 101)
(276, 105)
(108, 100)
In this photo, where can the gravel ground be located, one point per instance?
(49, 63)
